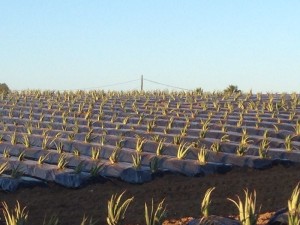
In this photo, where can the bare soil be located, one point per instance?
(182, 196)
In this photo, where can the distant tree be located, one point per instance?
(199, 91)
(4, 89)
(231, 89)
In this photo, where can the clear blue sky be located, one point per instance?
(60, 44)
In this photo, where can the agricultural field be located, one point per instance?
(69, 153)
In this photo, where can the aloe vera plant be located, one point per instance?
(177, 140)
(153, 164)
(183, 150)
(95, 170)
(116, 209)
(59, 147)
(247, 209)
(62, 162)
(136, 160)
(89, 137)
(294, 207)
(288, 143)
(95, 153)
(42, 158)
(202, 155)
(86, 221)
(241, 150)
(21, 156)
(3, 167)
(13, 138)
(297, 128)
(6, 152)
(52, 221)
(216, 146)
(155, 217)
(206, 202)
(26, 141)
(245, 138)
(263, 148)
(18, 216)
(140, 141)
(114, 157)
(160, 147)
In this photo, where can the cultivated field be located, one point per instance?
(67, 153)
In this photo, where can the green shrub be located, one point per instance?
(4, 89)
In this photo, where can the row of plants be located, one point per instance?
(248, 211)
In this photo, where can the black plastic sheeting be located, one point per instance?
(10, 184)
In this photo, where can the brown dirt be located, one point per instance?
(182, 196)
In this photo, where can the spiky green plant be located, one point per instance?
(86, 221)
(116, 209)
(28, 127)
(3, 167)
(294, 207)
(103, 139)
(52, 221)
(6, 152)
(140, 141)
(79, 167)
(71, 136)
(265, 135)
(62, 161)
(225, 138)
(95, 170)
(150, 125)
(177, 140)
(204, 129)
(76, 152)
(288, 143)
(153, 164)
(26, 141)
(17, 171)
(263, 148)
(241, 149)
(216, 146)
(21, 156)
(155, 217)
(160, 147)
(202, 155)
(206, 202)
(13, 138)
(170, 123)
(183, 150)
(156, 137)
(18, 216)
(136, 160)
(297, 128)
(59, 147)
(42, 158)
(245, 139)
(114, 157)
(120, 143)
(89, 136)
(125, 120)
(95, 153)
(247, 209)
(276, 128)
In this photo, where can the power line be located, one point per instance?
(114, 84)
(130, 81)
(107, 85)
(167, 85)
